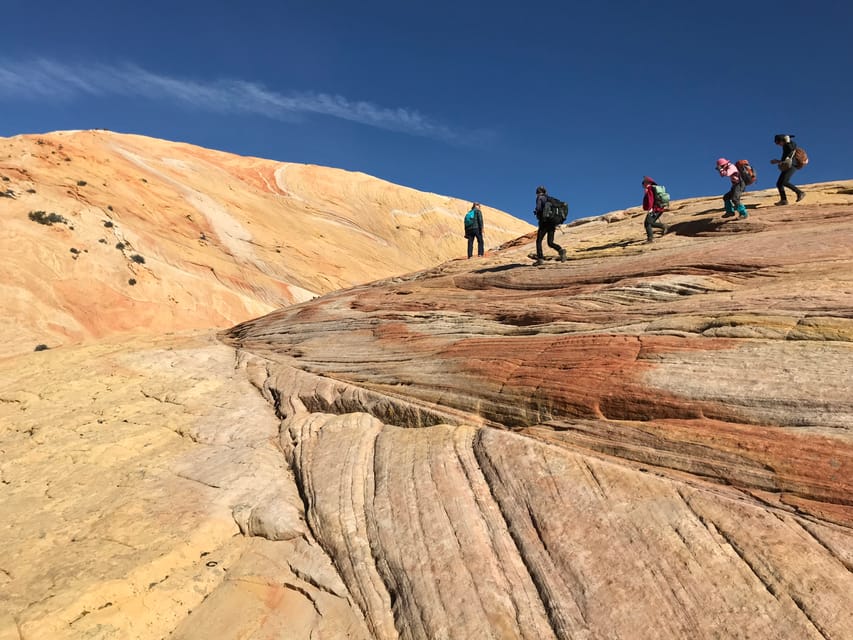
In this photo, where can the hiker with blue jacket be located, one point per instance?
(788, 166)
(653, 210)
(547, 228)
(474, 229)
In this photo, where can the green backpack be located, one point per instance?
(471, 220)
(661, 196)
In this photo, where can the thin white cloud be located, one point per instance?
(40, 79)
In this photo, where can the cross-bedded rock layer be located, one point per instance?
(644, 442)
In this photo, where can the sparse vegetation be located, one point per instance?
(81, 183)
(8, 193)
(131, 282)
(47, 218)
(138, 259)
(75, 251)
(108, 223)
(102, 241)
(110, 207)
(120, 246)
(5, 178)
(41, 347)
(144, 180)
(31, 190)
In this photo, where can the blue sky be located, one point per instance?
(481, 101)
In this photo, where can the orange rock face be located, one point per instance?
(152, 236)
(645, 441)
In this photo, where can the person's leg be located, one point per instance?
(648, 223)
(560, 251)
(785, 182)
(737, 192)
(480, 243)
(540, 233)
(470, 244)
(727, 201)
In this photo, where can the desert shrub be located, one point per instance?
(46, 218)
(110, 207)
(131, 282)
(138, 259)
(31, 190)
(108, 223)
(120, 246)
(73, 250)
(41, 347)
(102, 241)
(5, 178)
(81, 183)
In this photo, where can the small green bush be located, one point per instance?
(41, 347)
(81, 183)
(131, 282)
(108, 223)
(46, 218)
(138, 259)
(120, 246)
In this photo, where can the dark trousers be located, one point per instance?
(546, 229)
(785, 181)
(479, 236)
(733, 195)
(651, 221)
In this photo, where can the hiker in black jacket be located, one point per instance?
(788, 167)
(546, 228)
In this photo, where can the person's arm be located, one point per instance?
(648, 199)
(480, 220)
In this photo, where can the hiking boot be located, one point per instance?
(538, 262)
(562, 255)
(781, 203)
(728, 214)
(664, 230)
(801, 195)
(743, 216)
(649, 240)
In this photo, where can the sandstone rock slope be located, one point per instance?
(104, 233)
(643, 442)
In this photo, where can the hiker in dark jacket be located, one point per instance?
(546, 228)
(474, 229)
(652, 209)
(788, 167)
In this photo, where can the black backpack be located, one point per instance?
(555, 211)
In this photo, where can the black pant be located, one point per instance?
(785, 181)
(471, 235)
(548, 229)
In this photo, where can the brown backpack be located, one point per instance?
(801, 158)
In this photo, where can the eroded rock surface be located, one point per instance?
(104, 234)
(644, 442)
(647, 441)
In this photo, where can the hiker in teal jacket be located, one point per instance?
(474, 229)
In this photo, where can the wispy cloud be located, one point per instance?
(40, 79)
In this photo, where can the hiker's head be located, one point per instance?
(647, 181)
(541, 189)
(722, 163)
(475, 205)
(781, 138)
